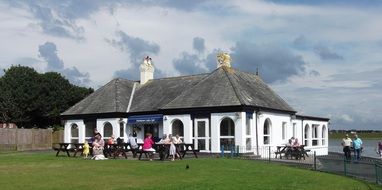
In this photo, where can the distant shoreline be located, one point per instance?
(370, 136)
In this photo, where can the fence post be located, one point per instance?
(222, 151)
(232, 150)
(237, 151)
(345, 169)
(315, 161)
(269, 154)
(376, 173)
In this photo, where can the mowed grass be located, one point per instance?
(36, 170)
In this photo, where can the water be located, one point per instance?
(369, 147)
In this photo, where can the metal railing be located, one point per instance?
(369, 169)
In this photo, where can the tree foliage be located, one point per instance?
(31, 99)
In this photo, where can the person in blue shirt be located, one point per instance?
(357, 145)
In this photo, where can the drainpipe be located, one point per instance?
(257, 137)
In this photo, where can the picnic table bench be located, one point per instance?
(188, 147)
(63, 147)
(290, 152)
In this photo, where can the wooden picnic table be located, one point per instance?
(188, 147)
(63, 148)
(290, 152)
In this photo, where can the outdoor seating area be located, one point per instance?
(291, 152)
(120, 149)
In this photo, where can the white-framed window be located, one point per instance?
(107, 130)
(122, 130)
(177, 128)
(294, 130)
(248, 126)
(284, 131)
(267, 132)
(227, 133)
(315, 135)
(74, 133)
(324, 132)
(307, 135)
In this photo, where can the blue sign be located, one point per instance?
(145, 119)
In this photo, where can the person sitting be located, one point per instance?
(148, 145)
(296, 144)
(177, 139)
(133, 145)
(111, 140)
(164, 140)
(98, 145)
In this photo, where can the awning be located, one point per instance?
(145, 119)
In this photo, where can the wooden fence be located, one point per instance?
(28, 139)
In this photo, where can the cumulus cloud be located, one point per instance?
(59, 18)
(198, 44)
(275, 63)
(137, 48)
(326, 54)
(48, 51)
(300, 41)
(314, 73)
(188, 64)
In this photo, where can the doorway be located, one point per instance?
(202, 139)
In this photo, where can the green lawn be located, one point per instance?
(45, 171)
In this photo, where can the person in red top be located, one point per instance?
(148, 145)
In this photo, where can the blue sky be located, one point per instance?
(323, 57)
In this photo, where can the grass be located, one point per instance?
(371, 136)
(36, 170)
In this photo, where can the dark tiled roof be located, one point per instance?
(156, 93)
(229, 87)
(113, 97)
(223, 87)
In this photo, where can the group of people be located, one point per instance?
(348, 144)
(149, 142)
(293, 142)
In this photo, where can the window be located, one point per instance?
(314, 135)
(107, 130)
(227, 133)
(74, 133)
(284, 131)
(323, 135)
(248, 125)
(122, 130)
(177, 128)
(306, 135)
(90, 125)
(294, 130)
(267, 132)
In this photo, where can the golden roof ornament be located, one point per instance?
(223, 59)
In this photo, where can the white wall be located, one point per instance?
(187, 125)
(113, 121)
(81, 130)
(239, 121)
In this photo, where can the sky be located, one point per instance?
(323, 57)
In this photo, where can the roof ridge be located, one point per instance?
(233, 86)
(181, 76)
(116, 94)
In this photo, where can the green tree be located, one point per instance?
(30, 99)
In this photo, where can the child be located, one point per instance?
(86, 149)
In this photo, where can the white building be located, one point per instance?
(223, 108)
